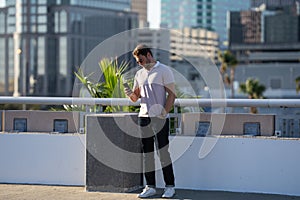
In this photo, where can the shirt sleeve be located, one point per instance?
(168, 76)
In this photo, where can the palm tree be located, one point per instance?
(228, 60)
(253, 89)
(297, 80)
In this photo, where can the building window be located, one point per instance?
(2, 64)
(63, 56)
(10, 65)
(60, 21)
(2, 23)
(56, 22)
(42, 28)
(63, 21)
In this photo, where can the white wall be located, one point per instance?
(237, 164)
(42, 159)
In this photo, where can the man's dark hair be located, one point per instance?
(141, 49)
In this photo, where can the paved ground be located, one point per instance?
(42, 192)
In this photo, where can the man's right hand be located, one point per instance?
(128, 91)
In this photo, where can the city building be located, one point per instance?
(260, 25)
(245, 27)
(43, 42)
(140, 7)
(208, 14)
(276, 66)
(266, 43)
(283, 26)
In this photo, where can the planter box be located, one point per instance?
(114, 161)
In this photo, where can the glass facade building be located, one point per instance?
(208, 14)
(43, 41)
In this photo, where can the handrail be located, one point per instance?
(286, 103)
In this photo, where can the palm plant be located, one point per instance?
(111, 87)
(253, 89)
(228, 60)
(297, 80)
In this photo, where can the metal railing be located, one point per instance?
(288, 124)
(283, 103)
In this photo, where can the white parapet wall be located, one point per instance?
(238, 164)
(30, 158)
(227, 163)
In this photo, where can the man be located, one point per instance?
(154, 84)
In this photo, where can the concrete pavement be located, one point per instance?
(46, 192)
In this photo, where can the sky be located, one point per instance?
(154, 13)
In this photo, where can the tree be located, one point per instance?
(228, 60)
(253, 89)
(297, 80)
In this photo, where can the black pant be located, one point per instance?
(156, 131)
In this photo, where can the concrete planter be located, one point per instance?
(113, 158)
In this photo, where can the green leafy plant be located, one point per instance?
(253, 89)
(111, 87)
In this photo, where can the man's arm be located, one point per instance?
(135, 95)
(170, 88)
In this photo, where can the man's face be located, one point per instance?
(143, 61)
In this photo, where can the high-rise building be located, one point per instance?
(283, 26)
(42, 42)
(245, 27)
(140, 7)
(261, 25)
(274, 58)
(208, 14)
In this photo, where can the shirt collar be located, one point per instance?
(157, 63)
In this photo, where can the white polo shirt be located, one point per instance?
(152, 88)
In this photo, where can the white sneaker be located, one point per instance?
(147, 192)
(169, 192)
